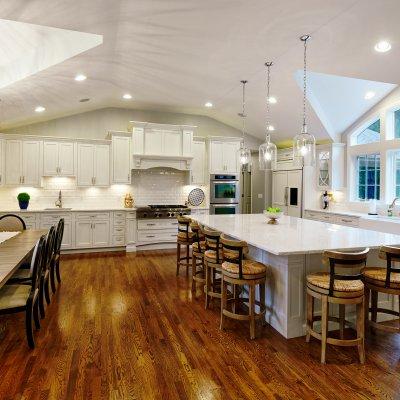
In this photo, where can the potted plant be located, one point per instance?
(23, 200)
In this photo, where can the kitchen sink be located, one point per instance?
(58, 208)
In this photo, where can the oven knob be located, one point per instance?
(157, 215)
(171, 214)
(144, 215)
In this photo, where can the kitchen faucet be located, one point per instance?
(58, 202)
(390, 209)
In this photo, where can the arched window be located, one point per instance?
(370, 134)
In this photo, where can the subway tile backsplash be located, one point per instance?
(155, 186)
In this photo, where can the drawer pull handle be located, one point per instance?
(150, 224)
(346, 220)
(150, 236)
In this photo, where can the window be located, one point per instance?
(397, 173)
(368, 176)
(396, 117)
(370, 134)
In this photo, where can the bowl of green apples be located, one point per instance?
(273, 214)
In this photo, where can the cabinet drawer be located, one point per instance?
(92, 215)
(119, 240)
(54, 218)
(327, 218)
(157, 223)
(347, 220)
(28, 217)
(119, 222)
(131, 214)
(157, 236)
(118, 230)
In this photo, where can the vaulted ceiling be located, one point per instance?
(175, 55)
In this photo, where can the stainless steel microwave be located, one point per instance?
(224, 189)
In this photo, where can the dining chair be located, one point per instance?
(12, 223)
(55, 263)
(25, 298)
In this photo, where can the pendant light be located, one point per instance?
(304, 143)
(267, 152)
(244, 153)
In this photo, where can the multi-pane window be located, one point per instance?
(396, 117)
(368, 176)
(397, 173)
(370, 134)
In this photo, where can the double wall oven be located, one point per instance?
(224, 194)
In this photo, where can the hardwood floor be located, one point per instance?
(123, 326)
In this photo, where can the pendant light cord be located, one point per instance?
(243, 114)
(268, 65)
(304, 39)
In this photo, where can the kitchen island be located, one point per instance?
(293, 249)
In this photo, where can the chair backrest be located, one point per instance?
(197, 233)
(50, 247)
(59, 235)
(212, 239)
(183, 226)
(391, 255)
(338, 259)
(11, 223)
(233, 252)
(37, 262)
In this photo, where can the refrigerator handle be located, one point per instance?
(286, 195)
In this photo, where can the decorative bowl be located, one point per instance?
(273, 216)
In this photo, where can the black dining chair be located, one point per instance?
(55, 265)
(25, 298)
(12, 223)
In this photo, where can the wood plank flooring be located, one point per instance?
(122, 326)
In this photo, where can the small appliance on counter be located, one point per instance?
(224, 194)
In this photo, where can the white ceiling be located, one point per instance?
(177, 54)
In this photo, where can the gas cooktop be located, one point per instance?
(162, 211)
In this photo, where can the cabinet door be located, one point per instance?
(101, 234)
(153, 142)
(102, 165)
(67, 236)
(66, 159)
(216, 157)
(130, 230)
(85, 164)
(121, 157)
(83, 234)
(31, 172)
(198, 163)
(172, 143)
(13, 162)
(187, 143)
(279, 189)
(230, 157)
(50, 158)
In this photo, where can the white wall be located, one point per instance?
(95, 124)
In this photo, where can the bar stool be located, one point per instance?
(184, 238)
(382, 280)
(333, 288)
(212, 265)
(239, 272)
(198, 249)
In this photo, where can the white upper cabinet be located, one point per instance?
(23, 166)
(93, 164)
(58, 158)
(331, 166)
(121, 159)
(224, 157)
(199, 163)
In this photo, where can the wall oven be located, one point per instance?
(224, 209)
(224, 189)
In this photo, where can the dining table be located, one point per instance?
(15, 249)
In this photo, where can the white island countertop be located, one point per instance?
(295, 235)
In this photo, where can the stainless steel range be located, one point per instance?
(162, 211)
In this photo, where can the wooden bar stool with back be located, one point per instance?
(382, 280)
(333, 288)
(240, 272)
(184, 238)
(198, 249)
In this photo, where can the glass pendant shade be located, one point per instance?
(267, 155)
(244, 155)
(304, 150)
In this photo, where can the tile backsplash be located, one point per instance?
(155, 186)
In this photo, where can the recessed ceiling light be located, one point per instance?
(208, 104)
(369, 95)
(127, 96)
(272, 100)
(383, 46)
(39, 109)
(271, 128)
(80, 77)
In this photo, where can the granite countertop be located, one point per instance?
(295, 235)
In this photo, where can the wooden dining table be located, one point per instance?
(16, 250)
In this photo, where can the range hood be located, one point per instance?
(162, 146)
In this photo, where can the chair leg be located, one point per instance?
(28, 324)
(263, 302)
(207, 286)
(374, 306)
(324, 327)
(58, 271)
(47, 290)
(187, 259)
(235, 297)
(223, 302)
(360, 330)
(41, 301)
(178, 258)
(342, 314)
(310, 316)
(252, 311)
(52, 278)
(194, 270)
(367, 293)
(36, 314)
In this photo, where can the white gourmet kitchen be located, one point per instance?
(200, 200)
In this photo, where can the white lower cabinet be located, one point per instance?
(131, 228)
(92, 230)
(347, 220)
(155, 231)
(83, 234)
(101, 234)
(49, 220)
